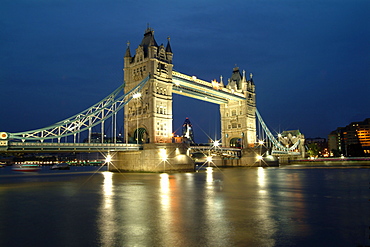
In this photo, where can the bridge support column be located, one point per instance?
(155, 157)
(249, 158)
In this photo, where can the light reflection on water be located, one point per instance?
(231, 207)
(167, 220)
(267, 225)
(215, 220)
(107, 222)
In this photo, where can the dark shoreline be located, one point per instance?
(339, 159)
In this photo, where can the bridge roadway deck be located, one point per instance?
(225, 153)
(70, 147)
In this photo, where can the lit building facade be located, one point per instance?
(148, 117)
(352, 140)
(238, 118)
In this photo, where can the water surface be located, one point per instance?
(285, 206)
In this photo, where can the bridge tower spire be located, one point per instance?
(148, 118)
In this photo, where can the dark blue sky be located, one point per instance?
(310, 59)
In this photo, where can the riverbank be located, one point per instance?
(343, 161)
(335, 159)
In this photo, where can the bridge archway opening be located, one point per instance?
(140, 136)
(205, 120)
(236, 143)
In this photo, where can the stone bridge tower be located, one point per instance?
(238, 119)
(148, 118)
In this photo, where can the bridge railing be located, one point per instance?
(81, 147)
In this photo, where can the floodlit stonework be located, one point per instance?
(238, 119)
(148, 118)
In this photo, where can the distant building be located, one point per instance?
(187, 130)
(187, 135)
(352, 140)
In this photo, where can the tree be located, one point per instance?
(313, 150)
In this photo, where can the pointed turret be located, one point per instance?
(244, 82)
(128, 52)
(169, 51)
(251, 78)
(168, 47)
(221, 81)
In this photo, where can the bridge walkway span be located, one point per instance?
(71, 147)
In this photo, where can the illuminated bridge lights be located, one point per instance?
(187, 86)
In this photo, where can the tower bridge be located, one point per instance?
(146, 99)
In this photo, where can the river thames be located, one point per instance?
(294, 205)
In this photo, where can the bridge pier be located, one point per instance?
(155, 157)
(249, 159)
(287, 158)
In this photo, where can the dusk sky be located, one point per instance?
(310, 59)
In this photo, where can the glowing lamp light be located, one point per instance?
(260, 142)
(163, 154)
(216, 143)
(209, 158)
(259, 157)
(136, 95)
(108, 158)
